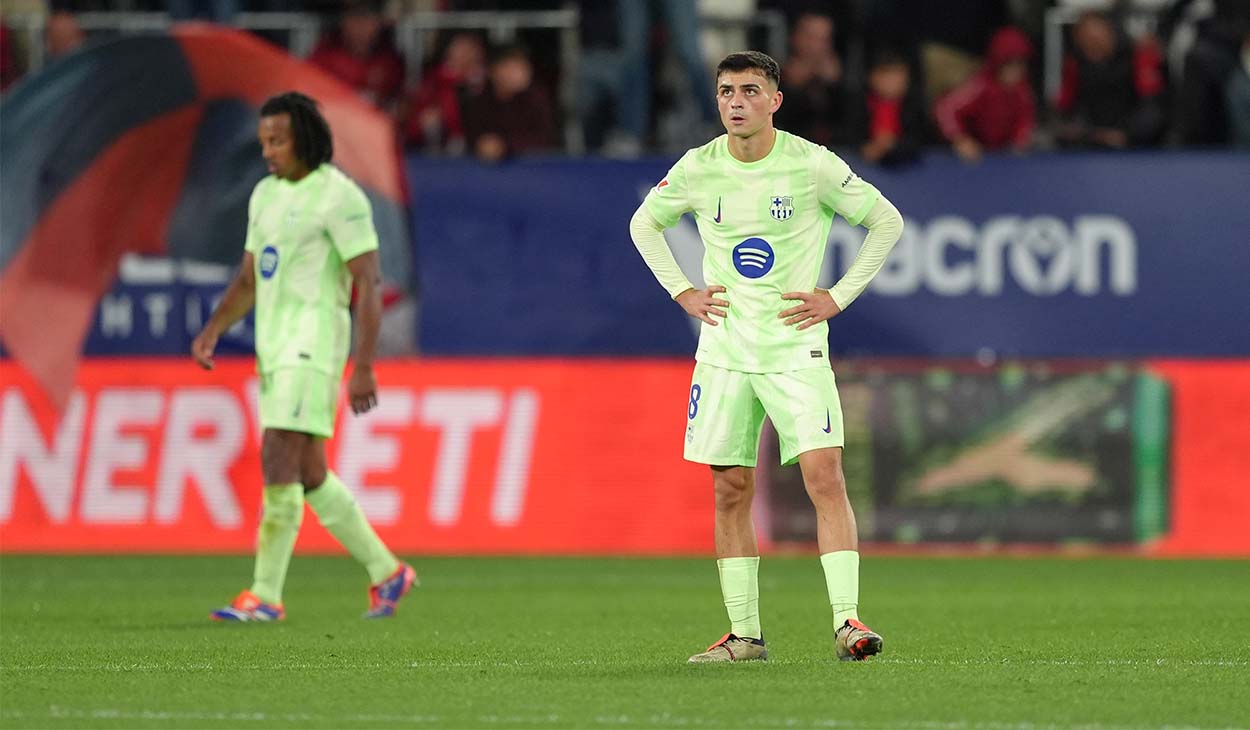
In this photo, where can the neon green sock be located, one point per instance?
(842, 580)
(283, 511)
(740, 585)
(338, 512)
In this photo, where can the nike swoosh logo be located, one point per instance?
(828, 422)
(717, 218)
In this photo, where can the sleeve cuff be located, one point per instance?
(351, 251)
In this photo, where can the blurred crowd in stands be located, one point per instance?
(885, 79)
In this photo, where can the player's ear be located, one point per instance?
(776, 102)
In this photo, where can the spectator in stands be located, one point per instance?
(1202, 111)
(1112, 90)
(10, 71)
(434, 116)
(889, 123)
(816, 100)
(995, 109)
(617, 37)
(62, 36)
(946, 37)
(1239, 98)
(613, 83)
(512, 115)
(362, 53)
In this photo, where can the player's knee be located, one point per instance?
(828, 487)
(312, 477)
(733, 492)
(279, 459)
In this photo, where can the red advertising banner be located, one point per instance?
(475, 456)
(1210, 496)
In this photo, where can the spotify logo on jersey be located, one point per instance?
(753, 258)
(268, 261)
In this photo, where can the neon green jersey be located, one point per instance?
(764, 227)
(301, 235)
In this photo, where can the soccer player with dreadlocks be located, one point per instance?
(310, 236)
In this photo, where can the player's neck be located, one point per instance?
(300, 172)
(753, 148)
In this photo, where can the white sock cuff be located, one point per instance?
(743, 562)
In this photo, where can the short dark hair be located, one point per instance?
(508, 52)
(751, 61)
(888, 56)
(313, 144)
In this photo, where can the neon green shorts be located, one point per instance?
(299, 399)
(726, 412)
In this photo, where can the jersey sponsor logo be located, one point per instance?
(782, 207)
(828, 422)
(717, 218)
(268, 262)
(848, 179)
(753, 258)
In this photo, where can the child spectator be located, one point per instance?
(435, 119)
(995, 109)
(889, 123)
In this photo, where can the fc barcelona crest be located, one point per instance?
(782, 207)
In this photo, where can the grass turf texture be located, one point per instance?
(998, 644)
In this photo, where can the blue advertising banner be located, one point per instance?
(158, 305)
(1049, 256)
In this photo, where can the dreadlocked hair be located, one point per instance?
(313, 144)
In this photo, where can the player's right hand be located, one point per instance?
(202, 348)
(968, 149)
(702, 303)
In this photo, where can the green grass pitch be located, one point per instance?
(975, 643)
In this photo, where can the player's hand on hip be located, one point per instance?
(816, 306)
(202, 348)
(362, 389)
(702, 303)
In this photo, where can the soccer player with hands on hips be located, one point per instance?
(310, 235)
(764, 201)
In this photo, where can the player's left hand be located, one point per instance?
(362, 389)
(817, 306)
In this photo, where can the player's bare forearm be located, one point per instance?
(238, 300)
(235, 304)
(362, 388)
(367, 275)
